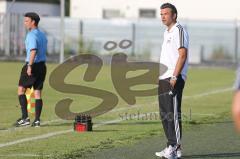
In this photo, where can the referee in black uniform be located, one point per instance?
(34, 71)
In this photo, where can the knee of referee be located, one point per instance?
(37, 94)
(21, 90)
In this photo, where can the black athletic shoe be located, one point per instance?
(36, 123)
(22, 122)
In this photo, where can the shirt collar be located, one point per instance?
(33, 29)
(172, 28)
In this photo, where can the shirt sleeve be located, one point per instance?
(181, 38)
(32, 42)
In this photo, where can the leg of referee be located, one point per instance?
(24, 120)
(38, 107)
(23, 101)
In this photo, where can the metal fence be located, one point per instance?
(210, 41)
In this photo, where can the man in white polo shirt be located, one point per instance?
(174, 55)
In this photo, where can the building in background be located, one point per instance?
(92, 23)
(188, 9)
(107, 9)
(42, 7)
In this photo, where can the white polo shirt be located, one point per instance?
(174, 39)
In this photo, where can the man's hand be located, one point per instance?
(29, 70)
(173, 83)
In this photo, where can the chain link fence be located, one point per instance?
(210, 41)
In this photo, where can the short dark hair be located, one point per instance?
(33, 16)
(171, 6)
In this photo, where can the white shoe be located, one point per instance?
(169, 152)
(179, 152)
(161, 153)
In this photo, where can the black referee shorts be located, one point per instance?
(36, 79)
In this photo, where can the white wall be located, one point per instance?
(208, 9)
(42, 9)
(93, 8)
(2, 6)
(189, 9)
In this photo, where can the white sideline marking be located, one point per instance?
(208, 93)
(100, 124)
(24, 155)
(35, 138)
(133, 106)
(60, 120)
(56, 133)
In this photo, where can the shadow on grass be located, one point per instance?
(106, 130)
(216, 155)
(3, 129)
(71, 124)
(57, 124)
(137, 123)
(193, 122)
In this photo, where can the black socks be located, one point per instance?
(23, 103)
(38, 109)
